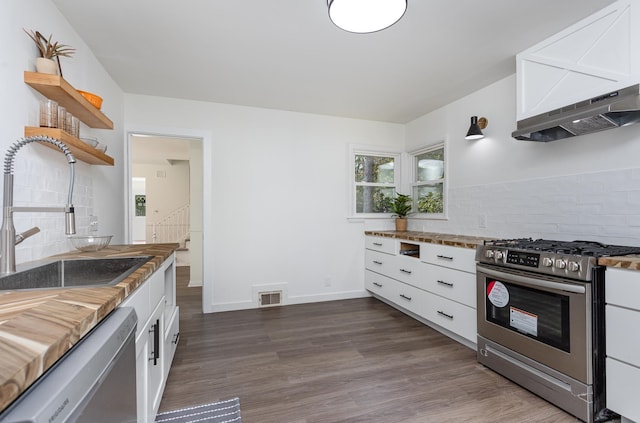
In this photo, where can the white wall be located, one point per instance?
(41, 174)
(279, 192)
(586, 187)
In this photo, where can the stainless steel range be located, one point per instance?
(541, 319)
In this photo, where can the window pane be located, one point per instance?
(429, 198)
(430, 165)
(373, 199)
(374, 169)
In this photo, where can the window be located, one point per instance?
(376, 178)
(429, 180)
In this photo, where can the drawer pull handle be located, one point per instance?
(444, 257)
(405, 297)
(176, 337)
(405, 271)
(378, 244)
(448, 316)
(377, 262)
(449, 284)
(379, 285)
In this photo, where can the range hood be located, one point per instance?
(611, 110)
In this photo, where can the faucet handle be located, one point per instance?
(26, 234)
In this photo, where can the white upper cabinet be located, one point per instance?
(595, 56)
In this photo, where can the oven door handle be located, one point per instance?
(510, 277)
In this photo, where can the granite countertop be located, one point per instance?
(433, 238)
(37, 327)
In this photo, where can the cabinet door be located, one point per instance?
(171, 338)
(155, 373)
(593, 57)
(142, 375)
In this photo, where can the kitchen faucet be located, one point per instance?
(8, 237)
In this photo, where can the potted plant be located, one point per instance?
(401, 206)
(48, 51)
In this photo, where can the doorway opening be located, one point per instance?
(165, 198)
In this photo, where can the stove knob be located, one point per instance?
(561, 264)
(488, 254)
(499, 255)
(547, 262)
(573, 266)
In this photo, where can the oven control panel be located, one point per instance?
(523, 258)
(574, 267)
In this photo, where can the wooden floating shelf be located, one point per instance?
(57, 89)
(80, 149)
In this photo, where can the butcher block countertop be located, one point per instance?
(631, 262)
(433, 238)
(37, 327)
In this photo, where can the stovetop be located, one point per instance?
(578, 248)
(568, 259)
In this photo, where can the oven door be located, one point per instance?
(543, 318)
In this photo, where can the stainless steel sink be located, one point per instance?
(74, 273)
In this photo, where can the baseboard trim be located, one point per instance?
(301, 299)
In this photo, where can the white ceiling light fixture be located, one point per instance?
(365, 16)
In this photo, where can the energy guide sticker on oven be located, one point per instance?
(497, 294)
(523, 321)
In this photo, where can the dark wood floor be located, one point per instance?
(342, 361)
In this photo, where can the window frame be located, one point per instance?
(415, 183)
(360, 150)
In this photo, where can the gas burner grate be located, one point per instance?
(576, 248)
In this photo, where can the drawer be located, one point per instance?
(452, 284)
(454, 257)
(379, 262)
(623, 389)
(453, 316)
(384, 245)
(623, 288)
(409, 270)
(381, 285)
(623, 344)
(411, 298)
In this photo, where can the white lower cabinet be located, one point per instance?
(622, 317)
(156, 338)
(439, 286)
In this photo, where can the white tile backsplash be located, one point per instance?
(41, 179)
(599, 206)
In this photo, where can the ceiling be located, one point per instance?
(286, 54)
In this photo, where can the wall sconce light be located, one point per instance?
(476, 127)
(364, 16)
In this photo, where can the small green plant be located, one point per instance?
(47, 48)
(401, 205)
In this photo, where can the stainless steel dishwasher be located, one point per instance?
(94, 382)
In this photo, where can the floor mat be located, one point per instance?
(218, 412)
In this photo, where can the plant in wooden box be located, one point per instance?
(401, 206)
(48, 51)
